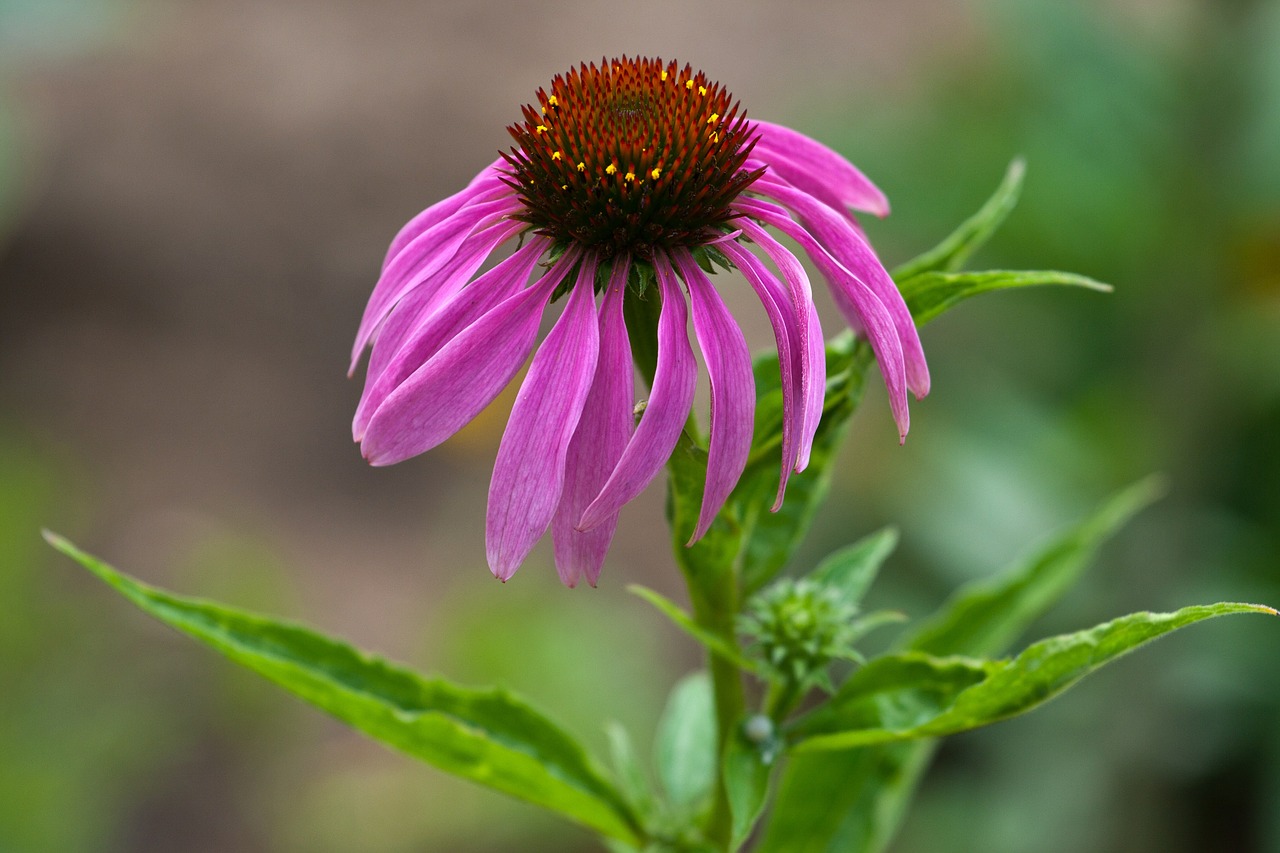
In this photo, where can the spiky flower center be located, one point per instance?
(631, 156)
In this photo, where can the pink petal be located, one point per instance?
(529, 473)
(670, 401)
(733, 389)
(852, 250)
(422, 257)
(424, 295)
(598, 443)
(807, 163)
(854, 299)
(489, 179)
(463, 377)
(786, 333)
(813, 356)
(407, 341)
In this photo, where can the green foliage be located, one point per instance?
(487, 736)
(747, 769)
(685, 745)
(930, 294)
(864, 792)
(1002, 689)
(852, 569)
(952, 253)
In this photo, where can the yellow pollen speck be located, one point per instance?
(631, 176)
(715, 117)
(715, 137)
(655, 173)
(611, 169)
(702, 90)
(564, 186)
(582, 167)
(552, 101)
(688, 84)
(542, 128)
(555, 155)
(664, 76)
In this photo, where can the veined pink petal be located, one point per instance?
(855, 300)
(422, 257)
(850, 248)
(398, 352)
(733, 389)
(463, 377)
(529, 473)
(807, 163)
(670, 401)
(489, 178)
(424, 296)
(598, 443)
(786, 334)
(813, 356)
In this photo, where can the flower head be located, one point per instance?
(621, 175)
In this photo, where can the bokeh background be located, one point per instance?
(194, 200)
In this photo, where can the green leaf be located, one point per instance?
(686, 744)
(973, 233)
(747, 768)
(487, 736)
(704, 561)
(769, 538)
(1014, 687)
(851, 801)
(631, 777)
(712, 642)
(929, 294)
(852, 569)
(895, 691)
(986, 616)
(844, 802)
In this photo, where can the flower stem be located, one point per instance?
(715, 607)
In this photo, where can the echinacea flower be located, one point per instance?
(625, 177)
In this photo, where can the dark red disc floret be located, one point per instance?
(631, 156)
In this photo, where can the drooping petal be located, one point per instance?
(463, 377)
(733, 389)
(529, 473)
(489, 179)
(425, 295)
(422, 257)
(670, 401)
(598, 442)
(851, 249)
(813, 356)
(807, 163)
(855, 300)
(400, 348)
(786, 334)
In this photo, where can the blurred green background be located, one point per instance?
(194, 199)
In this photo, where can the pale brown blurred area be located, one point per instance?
(205, 193)
(208, 193)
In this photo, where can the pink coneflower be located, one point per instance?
(624, 174)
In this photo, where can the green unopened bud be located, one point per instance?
(797, 628)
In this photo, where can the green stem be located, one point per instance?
(715, 607)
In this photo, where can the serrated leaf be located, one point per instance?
(986, 616)
(929, 294)
(973, 233)
(487, 736)
(685, 745)
(852, 569)
(682, 620)
(746, 780)
(851, 801)
(1044, 670)
(895, 691)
